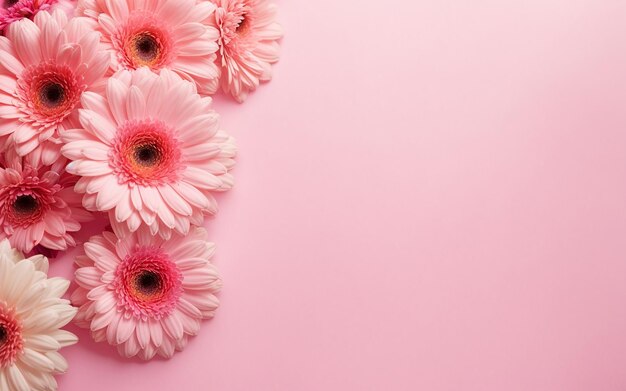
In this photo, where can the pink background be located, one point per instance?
(431, 195)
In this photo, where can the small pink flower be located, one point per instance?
(248, 44)
(46, 65)
(144, 294)
(14, 10)
(159, 34)
(150, 153)
(38, 206)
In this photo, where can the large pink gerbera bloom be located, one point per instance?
(45, 65)
(248, 44)
(38, 205)
(150, 152)
(14, 10)
(159, 34)
(145, 294)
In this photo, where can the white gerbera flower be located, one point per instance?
(31, 315)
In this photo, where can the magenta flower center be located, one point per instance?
(148, 283)
(11, 342)
(48, 93)
(27, 202)
(146, 152)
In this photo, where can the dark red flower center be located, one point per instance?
(49, 92)
(144, 40)
(244, 25)
(146, 152)
(28, 201)
(25, 205)
(9, 3)
(147, 155)
(146, 46)
(52, 95)
(4, 335)
(148, 283)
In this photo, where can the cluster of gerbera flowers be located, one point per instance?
(105, 110)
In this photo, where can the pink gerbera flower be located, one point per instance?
(248, 44)
(159, 34)
(150, 152)
(145, 294)
(45, 65)
(38, 206)
(14, 10)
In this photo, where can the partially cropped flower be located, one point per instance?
(31, 315)
(150, 153)
(159, 34)
(45, 65)
(144, 294)
(38, 206)
(248, 44)
(14, 10)
(40, 261)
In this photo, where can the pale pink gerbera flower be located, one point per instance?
(45, 65)
(159, 34)
(31, 315)
(150, 152)
(14, 10)
(38, 205)
(145, 294)
(248, 44)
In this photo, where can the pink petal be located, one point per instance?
(25, 36)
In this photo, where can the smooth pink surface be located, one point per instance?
(431, 195)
